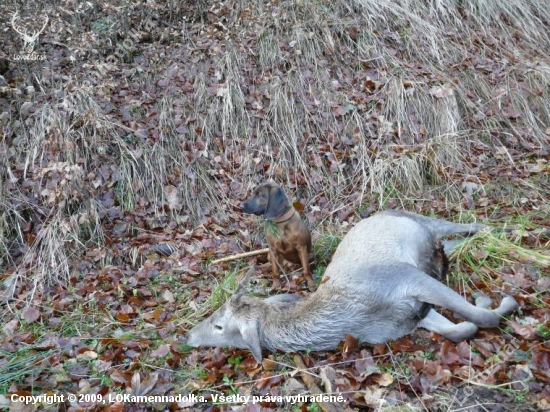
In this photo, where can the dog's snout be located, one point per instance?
(247, 206)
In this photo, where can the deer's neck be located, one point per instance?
(314, 323)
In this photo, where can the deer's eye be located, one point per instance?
(218, 327)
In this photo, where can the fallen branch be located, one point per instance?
(312, 386)
(240, 255)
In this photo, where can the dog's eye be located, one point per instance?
(218, 327)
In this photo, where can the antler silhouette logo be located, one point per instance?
(29, 40)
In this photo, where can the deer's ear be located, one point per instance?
(251, 336)
(241, 289)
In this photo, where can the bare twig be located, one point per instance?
(240, 255)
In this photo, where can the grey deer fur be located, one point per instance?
(378, 287)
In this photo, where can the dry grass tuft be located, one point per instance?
(359, 101)
(484, 256)
(497, 247)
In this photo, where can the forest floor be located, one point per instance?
(131, 131)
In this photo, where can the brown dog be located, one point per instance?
(287, 235)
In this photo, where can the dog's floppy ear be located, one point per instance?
(278, 203)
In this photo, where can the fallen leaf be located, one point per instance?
(374, 397)
(350, 345)
(115, 407)
(448, 353)
(31, 314)
(141, 388)
(174, 197)
(442, 91)
(161, 351)
(119, 376)
(384, 379)
(168, 296)
(89, 355)
(10, 327)
(269, 364)
(511, 113)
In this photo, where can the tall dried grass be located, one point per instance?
(445, 74)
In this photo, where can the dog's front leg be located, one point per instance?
(274, 270)
(304, 259)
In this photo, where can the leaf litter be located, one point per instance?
(129, 148)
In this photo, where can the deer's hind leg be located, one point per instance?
(440, 227)
(465, 330)
(438, 323)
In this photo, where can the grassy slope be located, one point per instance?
(442, 108)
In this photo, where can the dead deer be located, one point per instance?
(382, 284)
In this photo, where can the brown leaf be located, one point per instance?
(479, 254)
(103, 366)
(31, 314)
(126, 309)
(269, 364)
(11, 326)
(298, 206)
(168, 296)
(115, 407)
(371, 85)
(270, 381)
(353, 32)
(161, 351)
(365, 365)
(143, 388)
(119, 377)
(87, 355)
(511, 113)
(542, 360)
(123, 317)
(374, 397)
(350, 345)
(525, 331)
(154, 315)
(484, 347)
(433, 375)
(379, 349)
(442, 91)
(384, 379)
(448, 353)
(48, 343)
(338, 110)
(521, 278)
(467, 357)
(174, 197)
(404, 344)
